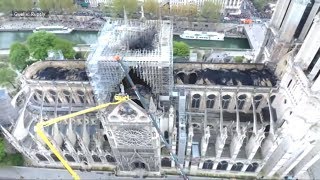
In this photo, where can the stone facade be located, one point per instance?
(220, 119)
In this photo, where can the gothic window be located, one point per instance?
(54, 157)
(41, 157)
(53, 95)
(166, 136)
(138, 165)
(210, 101)
(222, 165)
(196, 126)
(165, 162)
(241, 101)
(256, 99)
(96, 158)
(195, 101)
(252, 167)
(272, 98)
(82, 158)
(110, 159)
(81, 98)
(237, 167)
(225, 101)
(130, 136)
(69, 158)
(208, 164)
(289, 83)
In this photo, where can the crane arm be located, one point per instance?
(40, 125)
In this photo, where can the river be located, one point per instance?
(90, 37)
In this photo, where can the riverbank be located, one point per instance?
(91, 23)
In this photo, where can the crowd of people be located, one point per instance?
(90, 24)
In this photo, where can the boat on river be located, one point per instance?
(54, 29)
(200, 35)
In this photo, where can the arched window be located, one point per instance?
(195, 101)
(53, 95)
(165, 162)
(166, 136)
(41, 157)
(96, 158)
(252, 167)
(54, 157)
(69, 158)
(210, 101)
(241, 101)
(110, 159)
(272, 98)
(237, 167)
(256, 99)
(225, 101)
(208, 164)
(223, 165)
(138, 165)
(82, 158)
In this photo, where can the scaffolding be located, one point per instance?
(147, 50)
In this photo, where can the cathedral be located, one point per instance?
(258, 120)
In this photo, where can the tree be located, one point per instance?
(180, 49)
(260, 4)
(46, 4)
(151, 6)
(19, 54)
(65, 46)
(130, 6)
(238, 59)
(2, 149)
(39, 43)
(9, 159)
(211, 10)
(21, 5)
(7, 76)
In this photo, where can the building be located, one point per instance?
(230, 120)
(289, 25)
(232, 7)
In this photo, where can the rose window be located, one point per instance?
(133, 137)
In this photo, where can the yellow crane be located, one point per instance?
(119, 99)
(40, 125)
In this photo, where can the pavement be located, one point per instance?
(255, 34)
(48, 174)
(220, 56)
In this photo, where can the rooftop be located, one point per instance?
(57, 71)
(224, 74)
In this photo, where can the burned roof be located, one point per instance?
(224, 74)
(57, 71)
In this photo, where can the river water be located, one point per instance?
(90, 37)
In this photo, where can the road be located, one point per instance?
(45, 173)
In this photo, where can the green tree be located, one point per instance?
(211, 10)
(46, 5)
(7, 6)
(7, 76)
(65, 46)
(180, 49)
(260, 4)
(131, 6)
(238, 59)
(2, 149)
(151, 6)
(39, 43)
(19, 54)
(9, 159)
